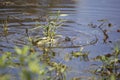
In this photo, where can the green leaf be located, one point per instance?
(25, 50)
(77, 54)
(34, 66)
(113, 77)
(18, 50)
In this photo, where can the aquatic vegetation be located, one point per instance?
(5, 28)
(49, 31)
(83, 55)
(42, 67)
(104, 27)
(31, 65)
(104, 33)
(109, 69)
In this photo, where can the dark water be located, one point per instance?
(82, 18)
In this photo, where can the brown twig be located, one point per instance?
(104, 33)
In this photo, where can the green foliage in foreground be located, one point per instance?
(30, 66)
(33, 66)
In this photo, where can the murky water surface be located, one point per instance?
(82, 22)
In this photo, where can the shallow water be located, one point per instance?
(82, 18)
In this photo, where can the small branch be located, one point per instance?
(104, 33)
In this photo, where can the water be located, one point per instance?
(82, 18)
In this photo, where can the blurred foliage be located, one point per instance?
(30, 64)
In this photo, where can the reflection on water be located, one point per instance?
(77, 13)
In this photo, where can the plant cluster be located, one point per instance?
(109, 70)
(49, 31)
(31, 66)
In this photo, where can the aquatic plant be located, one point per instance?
(83, 55)
(50, 28)
(109, 70)
(5, 28)
(31, 66)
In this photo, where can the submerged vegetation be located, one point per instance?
(29, 63)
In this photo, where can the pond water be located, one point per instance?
(82, 21)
